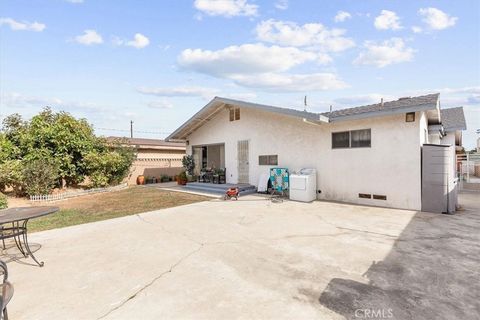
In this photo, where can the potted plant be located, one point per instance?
(189, 166)
(141, 179)
(182, 178)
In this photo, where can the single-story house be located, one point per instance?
(374, 149)
(155, 157)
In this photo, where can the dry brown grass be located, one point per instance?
(110, 205)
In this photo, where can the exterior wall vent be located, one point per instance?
(379, 197)
(365, 195)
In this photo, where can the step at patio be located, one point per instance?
(220, 188)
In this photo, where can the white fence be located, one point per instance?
(468, 167)
(66, 195)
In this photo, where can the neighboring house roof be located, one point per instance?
(453, 119)
(402, 105)
(143, 143)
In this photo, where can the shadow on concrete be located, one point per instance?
(11, 253)
(432, 272)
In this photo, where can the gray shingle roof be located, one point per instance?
(264, 107)
(409, 104)
(453, 119)
(401, 103)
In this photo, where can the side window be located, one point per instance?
(268, 160)
(352, 139)
(360, 138)
(341, 139)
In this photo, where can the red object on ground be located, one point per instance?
(232, 193)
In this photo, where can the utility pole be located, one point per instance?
(131, 128)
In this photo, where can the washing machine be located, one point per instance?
(303, 185)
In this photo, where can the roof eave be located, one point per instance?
(174, 136)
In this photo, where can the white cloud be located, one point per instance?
(261, 67)
(387, 20)
(15, 100)
(241, 95)
(139, 41)
(383, 54)
(281, 4)
(226, 8)
(417, 29)
(436, 19)
(310, 34)
(75, 1)
(22, 26)
(362, 99)
(162, 104)
(185, 91)
(323, 58)
(279, 82)
(470, 90)
(243, 59)
(342, 16)
(89, 37)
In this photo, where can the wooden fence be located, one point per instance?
(67, 195)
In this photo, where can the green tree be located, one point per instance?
(40, 175)
(66, 146)
(3, 201)
(110, 165)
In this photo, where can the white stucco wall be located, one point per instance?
(390, 167)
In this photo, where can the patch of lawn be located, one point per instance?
(111, 205)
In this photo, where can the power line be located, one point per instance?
(137, 131)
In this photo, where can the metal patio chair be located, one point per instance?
(6, 291)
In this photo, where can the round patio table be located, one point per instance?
(19, 218)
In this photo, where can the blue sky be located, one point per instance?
(158, 62)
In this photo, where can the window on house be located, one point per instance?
(352, 139)
(410, 117)
(234, 114)
(268, 160)
(360, 138)
(341, 139)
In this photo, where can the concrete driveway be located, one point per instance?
(257, 259)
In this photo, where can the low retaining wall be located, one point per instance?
(154, 168)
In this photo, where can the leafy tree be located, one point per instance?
(68, 149)
(3, 201)
(40, 175)
(109, 167)
(67, 139)
(11, 175)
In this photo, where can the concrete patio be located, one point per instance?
(256, 259)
